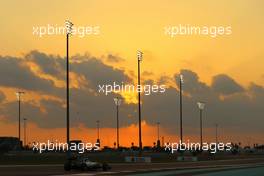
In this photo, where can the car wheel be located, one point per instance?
(67, 166)
(84, 167)
(105, 167)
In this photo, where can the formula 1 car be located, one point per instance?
(85, 164)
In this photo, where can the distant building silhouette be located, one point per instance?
(9, 143)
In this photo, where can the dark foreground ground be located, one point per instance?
(30, 158)
(241, 166)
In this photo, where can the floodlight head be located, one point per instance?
(117, 101)
(181, 78)
(68, 25)
(140, 55)
(201, 105)
(18, 93)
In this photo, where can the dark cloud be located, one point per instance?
(256, 89)
(241, 110)
(13, 73)
(165, 79)
(114, 58)
(237, 111)
(148, 82)
(225, 85)
(86, 103)
(49, 64)
(93, 69)
(49, 114)
(98, 73)
(193, 86)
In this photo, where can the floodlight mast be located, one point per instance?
(139, 57)
(19, 94)
(25, 132)
(201, 106)
(181, 130)
(117, 103)
(98, 129)
(158, 135)
(158, 131)
(68, 25)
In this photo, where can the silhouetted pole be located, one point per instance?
(139, 54)
(201, 127)
(25, 132)
(117, 127)
(98, 132)
(19, 93)
(158, 134)
(117, 103)
(67, 91)
(181, 82)
(98, 127)
(201, 107)
(68, 25)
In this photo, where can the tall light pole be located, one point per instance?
(181, 82)
(158, 134)
(19, 94)
(139, 57)
(68, 25)
(201, 106)
(25, 132)
(117, 103)
(98, 130)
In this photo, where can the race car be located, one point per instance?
(85, 164)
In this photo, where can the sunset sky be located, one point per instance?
(226, 71)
